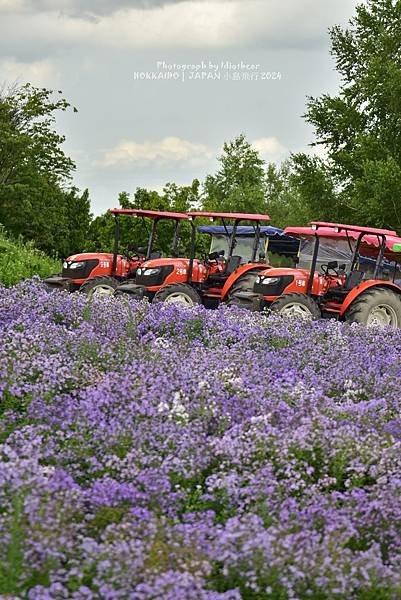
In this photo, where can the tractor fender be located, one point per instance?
(366, 286)
(238, 273)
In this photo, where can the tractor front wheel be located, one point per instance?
(378, 307)
(178, 293)
(241, 293)
(296, 305)
(99, 286)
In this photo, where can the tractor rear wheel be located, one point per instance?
(178, 293)
(296, 305)
(99, 286)
(241, 293)
(376, 307)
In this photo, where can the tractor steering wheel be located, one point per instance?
(216, 257)
(330, 267)
(128, 256)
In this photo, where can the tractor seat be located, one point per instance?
(219, 279)
(353, 280)
(338, 293)
(232, 264)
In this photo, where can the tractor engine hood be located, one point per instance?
(90, 256)
(153, 263)
(155, 272)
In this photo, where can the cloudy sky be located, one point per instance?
(161, 84)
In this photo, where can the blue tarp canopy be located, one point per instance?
(278, 242)
(243, 230)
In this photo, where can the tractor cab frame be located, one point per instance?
(273, 243)
(348, 232)
(338, 290)
(101, 272)
(156, 217)
(193, 281)
(219, 277)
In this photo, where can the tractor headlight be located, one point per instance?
(270, 280)
(65, 265)
(148, 272)
(77, 265)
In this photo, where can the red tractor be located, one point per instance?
(190, 281)
(101, 272)
(344, 271)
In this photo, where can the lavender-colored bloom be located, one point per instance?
(163, 452)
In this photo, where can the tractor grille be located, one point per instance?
(156, 279)
(273, 289)
(82, 272)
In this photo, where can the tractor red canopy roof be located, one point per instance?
(151, 214)
(358, 228)
(370, 242)
(235, 216)
(327, 232)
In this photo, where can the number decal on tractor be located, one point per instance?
(300, 282)
(181, 271)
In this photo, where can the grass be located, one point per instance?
(20, 260)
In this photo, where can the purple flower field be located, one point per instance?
(159, 452)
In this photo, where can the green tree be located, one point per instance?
(285, 202)
(78, 217)
(36, 197)
(360, 128)
(29, 144)
(239, 184)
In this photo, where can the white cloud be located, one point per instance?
(12, 5)
(270, 149)
(174, 150)
(167, 150)
(319, 151)
(187, 24)
(83, 7)
(190, 23)
(39, 73)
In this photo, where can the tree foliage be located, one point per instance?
(360, 128)
(239, 184)
(36, 197)
(28, 140)
(285, 201)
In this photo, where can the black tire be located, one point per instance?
(377, 306)
(180, 293)
(104, 286)
(241, 293)
(296, 305)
